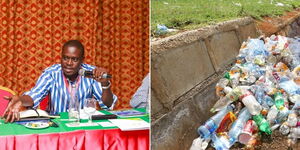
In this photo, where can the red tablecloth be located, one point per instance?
(112, 139)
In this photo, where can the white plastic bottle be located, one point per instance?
(250, 102)
(273, 111)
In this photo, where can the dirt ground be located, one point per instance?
(270, 25)
(277, 141)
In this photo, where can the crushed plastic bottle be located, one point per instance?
(238, 126)
(292, 119)
(232, 96)
(284, 128)
(249, 129)
(250, 102)
(226, 122)
(272, 114)
(262, 124)
(212, 124)
(279, 101)
(220, 143)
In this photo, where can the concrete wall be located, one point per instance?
(184, 71)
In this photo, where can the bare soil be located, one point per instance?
(276, 141)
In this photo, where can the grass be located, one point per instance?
(191, 14)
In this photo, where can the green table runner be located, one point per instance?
(16, 129)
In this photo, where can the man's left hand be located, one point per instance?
(97, 75)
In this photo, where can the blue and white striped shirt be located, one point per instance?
(52, 82)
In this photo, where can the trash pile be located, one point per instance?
(259, 94)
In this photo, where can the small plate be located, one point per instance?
(36, 125)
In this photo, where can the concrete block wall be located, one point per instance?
(184, 70)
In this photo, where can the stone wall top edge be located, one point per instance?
(198, 34)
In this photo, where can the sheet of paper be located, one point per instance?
(106, 124)
(130, 124)
(72, 124)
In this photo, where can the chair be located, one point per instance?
(44, 103)
(4, 91)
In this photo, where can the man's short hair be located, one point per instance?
(74, 43)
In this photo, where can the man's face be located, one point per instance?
(71, 60)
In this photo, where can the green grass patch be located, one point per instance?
(191, 14)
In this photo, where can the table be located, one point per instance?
(15, 137)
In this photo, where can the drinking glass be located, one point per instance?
(89, 108)
(73, 111)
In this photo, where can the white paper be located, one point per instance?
(72, 124)
(130, 124)
(106, 124)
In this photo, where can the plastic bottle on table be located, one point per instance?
(238, 125)
(212, 124)
(250, 102)
(262, 124)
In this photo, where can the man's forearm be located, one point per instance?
(27, 101)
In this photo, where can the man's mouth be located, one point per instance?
(68, 70)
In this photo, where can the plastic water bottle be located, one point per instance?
(226, 100)
(282, 115)
(262, 124)
(295, 132)
(238, 125)
(279, 101)
(220, 143)
(273, 111)
(250, 102)
(212, 124)
(292, 119)
(269, 100)
(260, 94)
(284, 128)
(161, 29)
(220, 87)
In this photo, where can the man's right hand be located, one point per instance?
(11, 112)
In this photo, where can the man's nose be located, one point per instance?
(69, 61)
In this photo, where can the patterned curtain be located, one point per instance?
(115, 34)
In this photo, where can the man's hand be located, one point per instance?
(11, 112)
(107, 96)
(97, 75)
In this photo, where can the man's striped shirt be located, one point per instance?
(52, 83)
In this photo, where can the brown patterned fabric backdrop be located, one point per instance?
(115, 34)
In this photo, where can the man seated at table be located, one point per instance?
(58, 80)
(140, 98)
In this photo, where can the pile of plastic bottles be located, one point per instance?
(259, 94)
